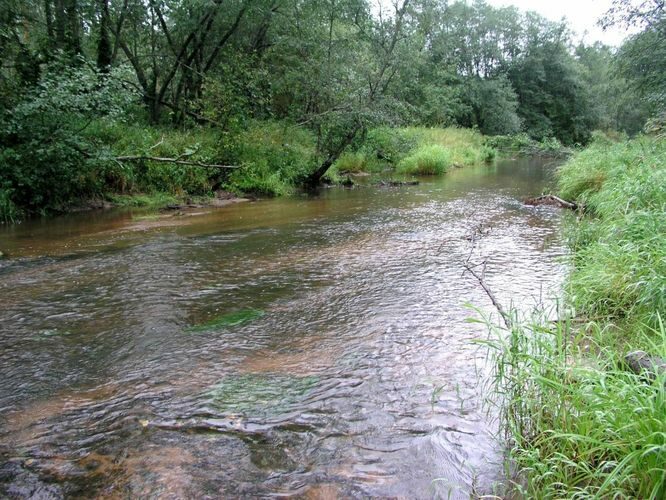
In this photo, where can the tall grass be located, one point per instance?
(394, 145)
(578, 423)
(426, 160)
(619, 271)
(273, 157)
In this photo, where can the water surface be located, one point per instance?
(348, 368)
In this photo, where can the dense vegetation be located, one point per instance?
(91, 91)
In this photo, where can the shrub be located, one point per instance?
(390, 144)
(426, 160)
(9, 212)
(45, 162)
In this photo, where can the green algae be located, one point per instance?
(235, 318)
(265, 393)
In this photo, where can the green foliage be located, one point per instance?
(355, 162)
(274, 157)
(9, 212)
(114, 138)
(642, 62)
(157, 199)
(554, 101)
(426, 160)
(389, 144)
(522, 144)
(43, 160)
(394, 145)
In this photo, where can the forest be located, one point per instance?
(110, 97)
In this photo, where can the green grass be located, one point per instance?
(426, 160)
(619, 272)
(356, 162)
(235, 318)
(274, 157)
(151, 200)
(465, 146)
(578, 423)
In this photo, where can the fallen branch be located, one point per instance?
(480, 278)
(478, 230)
(552, 201)
(175, 161)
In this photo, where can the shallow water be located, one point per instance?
(359, 379)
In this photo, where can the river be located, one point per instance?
(306, 346)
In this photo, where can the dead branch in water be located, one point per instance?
(471, 269)
(552, 201)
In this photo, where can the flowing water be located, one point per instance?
(313, 347)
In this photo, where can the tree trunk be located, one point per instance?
(104, 49)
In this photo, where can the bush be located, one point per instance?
(45, 162)
(389, 144)
(9, 212)
(426, 160)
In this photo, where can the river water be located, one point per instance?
(312, 347)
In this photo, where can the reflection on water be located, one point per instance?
(359, 378)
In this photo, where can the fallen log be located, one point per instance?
(551, 201)
(642, 363)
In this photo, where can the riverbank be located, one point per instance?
(578, 422)
(119, 164)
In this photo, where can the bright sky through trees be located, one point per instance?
(582, 16)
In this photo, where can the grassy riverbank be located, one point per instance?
(580, 424)
(123, 163)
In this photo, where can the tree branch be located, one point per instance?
(175, 161)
